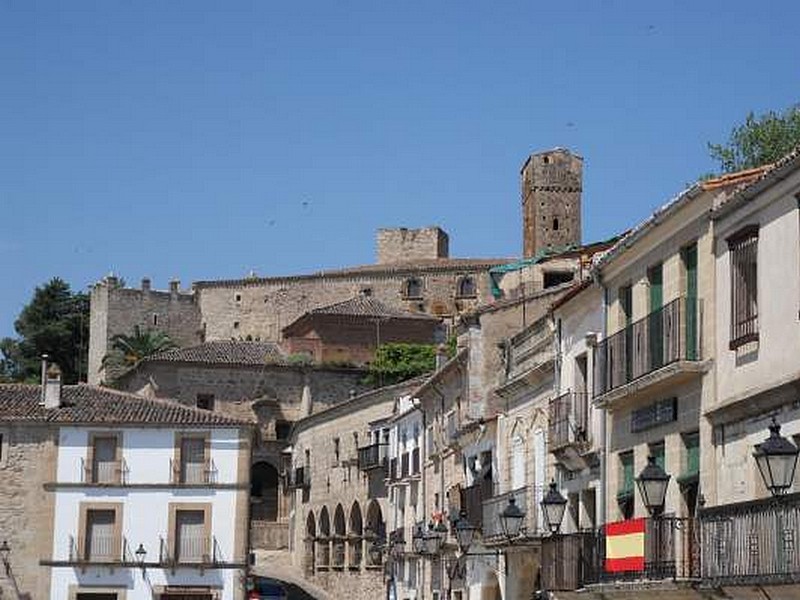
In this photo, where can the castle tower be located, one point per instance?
(552, 182)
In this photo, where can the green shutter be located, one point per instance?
(655, 277)
(626, 465)
(690, 265)
(692, 444)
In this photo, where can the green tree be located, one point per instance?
(128, 350)
(397, 362)
(759, 141)
(55, 322)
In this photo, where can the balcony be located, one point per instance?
(494, 506)
(751, 543)
(111, 472)
(193, 473)
(300, 478)
(472, 498)
(415, 461)
(572, 561)
(372, 457)
(657, 349)
(531, 349)
(405, 463)
(569, 421)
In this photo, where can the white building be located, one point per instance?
(150, 498)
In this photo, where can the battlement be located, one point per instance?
(407, 245)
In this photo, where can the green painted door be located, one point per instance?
(690, 265)
(655, 277)
(626, 304)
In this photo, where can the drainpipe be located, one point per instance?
(603, 416)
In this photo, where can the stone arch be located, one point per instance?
(264, 483)
(375, 530)
(339, 537)
(311, 535)
(356, 537)
(323, 540)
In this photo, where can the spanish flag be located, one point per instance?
(625, 546)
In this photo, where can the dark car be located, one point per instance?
(266, 589)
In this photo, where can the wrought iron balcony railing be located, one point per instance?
(472, 498)
(193, 473)
(665, 336)
(372, 457)
(754, 543)
(300, 478)
(568, 422)
(106, 472)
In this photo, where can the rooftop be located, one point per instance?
(92, 405)
(227, 352)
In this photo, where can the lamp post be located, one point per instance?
(653, 482)
(511, 519)
(5, 551)
(140, 554)
(776, 458)
(553, 506)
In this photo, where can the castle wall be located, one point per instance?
(406, 245)
(27, 462)
(117, 310)
(260, 309)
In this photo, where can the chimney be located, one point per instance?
(52, 386)
(174, 287)
(145, 284)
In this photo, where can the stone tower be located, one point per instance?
(551, 200)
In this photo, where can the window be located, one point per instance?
(155, 320)
(412, 288)
(625, 493)
(205, 401)
(190, 532)
(191, 464)
(237, 297)
(282, 430)
(466, 287)
(657, 451)
(336, 450)
(3, 447)
(743, 252)
(553, 278)
(104, 464)
(691, 454)
(625, 304)
(100, 538)
(555, 224)
(236, 324)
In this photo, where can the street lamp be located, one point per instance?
(653, 482)
(511, 519)
(776, 458)
(553, 507)
(5, 550)
(418, 540)
(141, 553)
(465, 532)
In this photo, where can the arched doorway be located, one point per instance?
(323, 540)
(339, 535)
(375, 530)
(356, 537)
(311, 535)
(264, 492)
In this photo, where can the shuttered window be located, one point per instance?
(100, 539)
(743, 250)
(191, 535)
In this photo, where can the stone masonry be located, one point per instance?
(27, 462)
(552, 183)
(408, 245)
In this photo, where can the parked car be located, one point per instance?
(262, 588)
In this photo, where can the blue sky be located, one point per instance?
(201, 140)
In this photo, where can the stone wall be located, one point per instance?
(261, 308)
(117, 310)
(404, 245)
(552, 184)
(28, 461)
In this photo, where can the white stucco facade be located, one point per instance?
(145, 502)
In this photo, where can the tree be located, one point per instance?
(128, 350)
(759, 141)
(397, 362)
(55, 322)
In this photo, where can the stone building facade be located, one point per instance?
(27, 462)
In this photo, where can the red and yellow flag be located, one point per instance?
(625, 546)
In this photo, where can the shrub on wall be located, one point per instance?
(397, 362)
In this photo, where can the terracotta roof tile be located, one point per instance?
(228, 352)
(91, 405)
(364, 306)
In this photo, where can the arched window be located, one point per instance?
(555, 224)
(311, 535)
(324, 540)
(412, 288)
(356, 532)
(264, 492)
(466, 287)
(339, 534)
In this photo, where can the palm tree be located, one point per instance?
(128, 350)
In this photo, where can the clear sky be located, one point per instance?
(201, 140)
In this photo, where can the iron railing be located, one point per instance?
(110, 472)
(189, 549)
(572, 561)
(568, 421)
(472, 498)
(752, 542)
(494, 506)
(94, 548)
(193, 473)
(665, 336)
(372, 456)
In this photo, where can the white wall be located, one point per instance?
(145, 511)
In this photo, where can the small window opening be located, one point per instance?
(555, 224)
(236, 324)
(237, 297)
(205, 401)
(155, 320)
